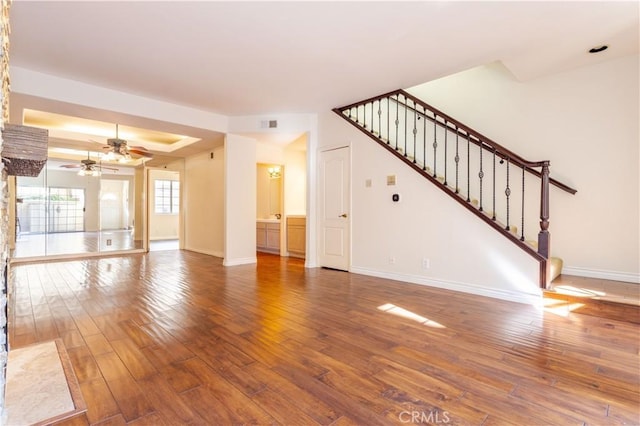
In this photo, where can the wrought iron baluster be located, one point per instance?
(457, 159)
(522, 225)
(446, 131)
(481, 174)
(380, 117)
(415, 132)
(468, 170)
(494, 184)
(424, 140)
(397, 120)
(435, 144)
(388, 123)
(372, 106)
(507, 192)
(364, 116)
(406, 107)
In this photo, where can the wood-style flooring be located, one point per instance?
(173, 337)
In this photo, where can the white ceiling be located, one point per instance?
(244, 58)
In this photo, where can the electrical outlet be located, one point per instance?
(392, 260)
(426, 263)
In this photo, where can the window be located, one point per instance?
(167, 196)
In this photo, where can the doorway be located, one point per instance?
(164, 219)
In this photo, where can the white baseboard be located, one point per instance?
(527, 298)
(628, 277)
(161, 238)
(308, 263)
(239, 261)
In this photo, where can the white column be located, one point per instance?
(240, 200)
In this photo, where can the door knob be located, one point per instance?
(343, 215)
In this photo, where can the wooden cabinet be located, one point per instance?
(296, 236)
(261, 235)
(268, 236)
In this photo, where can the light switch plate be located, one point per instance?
(391, 180)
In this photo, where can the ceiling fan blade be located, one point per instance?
(139, 148)
(109, 168)
(141, 153)
(72, 166)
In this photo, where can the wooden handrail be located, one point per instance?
(474, 137)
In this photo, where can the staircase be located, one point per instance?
(503, 189)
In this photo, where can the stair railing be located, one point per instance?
(427, 139)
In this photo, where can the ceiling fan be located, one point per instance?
(88, 167)
(118, 149)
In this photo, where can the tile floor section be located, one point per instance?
(37, 388)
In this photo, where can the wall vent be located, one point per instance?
(269, 124)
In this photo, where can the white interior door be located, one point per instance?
(335, 232)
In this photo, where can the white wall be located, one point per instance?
(239, 200)
(203, 201)
(295, 180)
(464, 253)
(269, 154)
(586, 122)
(51, 87)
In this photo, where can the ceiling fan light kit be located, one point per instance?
(89, 172)
(118, 149)
(88, 167)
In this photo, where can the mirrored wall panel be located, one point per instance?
(67, 211)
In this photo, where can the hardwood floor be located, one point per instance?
(172, 337)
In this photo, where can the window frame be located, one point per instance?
(168, 192)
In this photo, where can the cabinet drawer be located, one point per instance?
(296, 221)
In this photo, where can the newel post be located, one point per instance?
(544, 238)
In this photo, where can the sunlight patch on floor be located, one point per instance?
(576, 291)
(560, 307)
(401, 312)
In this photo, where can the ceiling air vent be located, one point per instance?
(269, 124)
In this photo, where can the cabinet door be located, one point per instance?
(261, 236)
(273, 236)
(296, 239)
